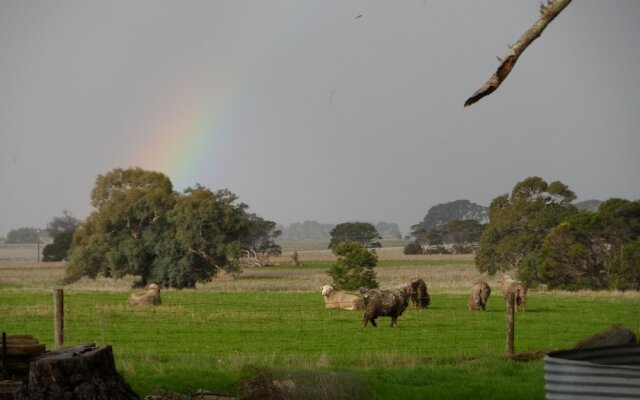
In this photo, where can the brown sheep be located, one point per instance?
(333, 299)
(384, 303)
(480, 293)
(150, 297)
(510, 285)
(419, 295)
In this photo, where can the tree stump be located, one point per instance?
(77, 373)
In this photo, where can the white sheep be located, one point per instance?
(333, 299)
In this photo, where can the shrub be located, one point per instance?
(354, 267)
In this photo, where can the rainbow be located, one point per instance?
(199, 130)
(185, 141)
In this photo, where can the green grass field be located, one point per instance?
(204, 339)
(274, 319)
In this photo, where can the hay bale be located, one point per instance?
(150, 297)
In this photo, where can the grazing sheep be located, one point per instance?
(384, 303)
(510, 285)
(419, 295)
(150, 297)
(333, 299)
(479, 295)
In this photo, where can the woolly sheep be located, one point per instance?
(480, 293)
(333, 299)
(150, 297)
(419, 295)
(384, 303)
(510, 285)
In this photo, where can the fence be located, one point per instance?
(280, 326)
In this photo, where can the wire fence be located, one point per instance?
(280, 326)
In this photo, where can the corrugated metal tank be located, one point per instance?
(611, 372)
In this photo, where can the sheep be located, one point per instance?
(384, 303)
(510, 285)
(333, 299)
(480, 293)
(419, 295)
(150, 297)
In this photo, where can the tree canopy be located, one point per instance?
(61, 230)
(141, 227)
(23, 235)
(595, 250)
(518, 225)
(362, 233)
(441, 214)
(354, 267)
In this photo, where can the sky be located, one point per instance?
(330, 111)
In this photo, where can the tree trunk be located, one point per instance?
(78, 373)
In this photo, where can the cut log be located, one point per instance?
(77, 373)
(23, 350)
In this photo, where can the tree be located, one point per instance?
(23, 235)
(518, 225)
(362, 233)
(354, 267)
(464, 234)
(141, 227)
(441, 214)
(388, 230)
(118, 238)
(61, 230)
(64, 224)
(260, 242)
(205, 234)
(59, 249)
(413, 248)
(594, 250)
(308, 230)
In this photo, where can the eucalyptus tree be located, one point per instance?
(518, 224)
(118, 237)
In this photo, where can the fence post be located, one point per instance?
(511, 321)
(4, 355)
(58, 317)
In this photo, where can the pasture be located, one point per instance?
(274, 319)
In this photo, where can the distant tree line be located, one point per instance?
(23, 235)
(312, 230)
(541, 233)
(457, 224)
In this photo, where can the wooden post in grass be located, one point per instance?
(511, 321)
(4, 354)
(58, 317)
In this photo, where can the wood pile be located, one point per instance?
(16, 353)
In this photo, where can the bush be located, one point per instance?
(354, 268)
(413, 248)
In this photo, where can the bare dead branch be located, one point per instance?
(547, 13)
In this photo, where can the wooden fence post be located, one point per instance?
(58, 318)
(511, 321)
(4, 355)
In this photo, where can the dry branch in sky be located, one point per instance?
(547, 13)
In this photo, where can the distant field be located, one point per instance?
(274, 318)
(20, 252)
